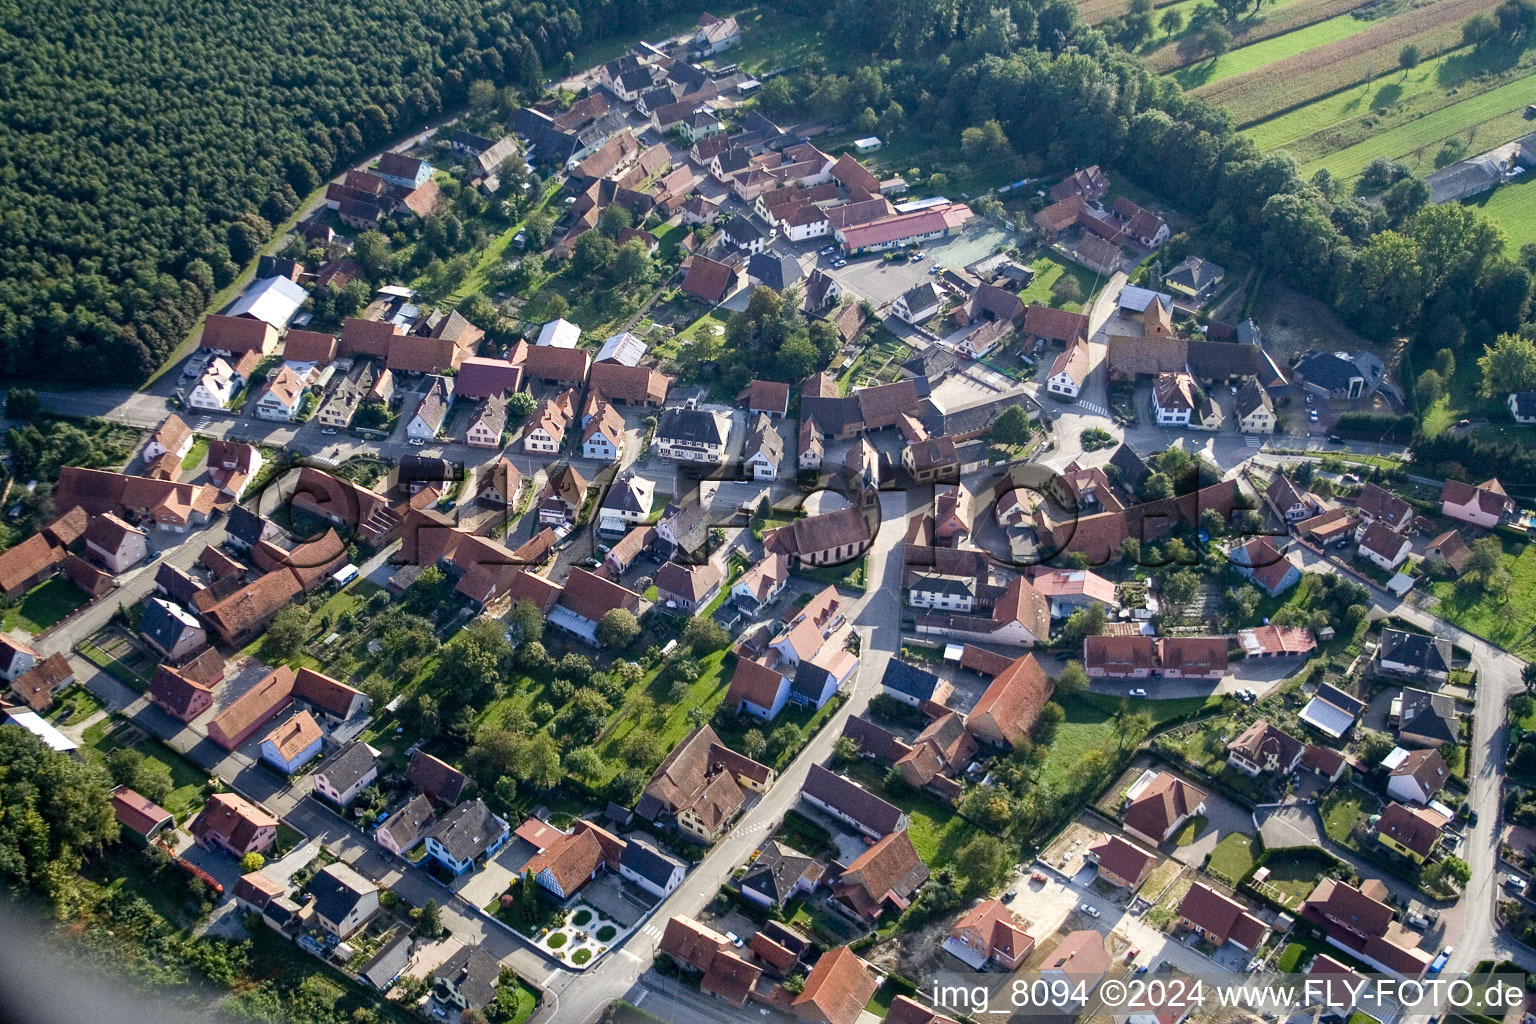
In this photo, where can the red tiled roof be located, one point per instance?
(836, 989)
(1008, 709)
(137, 812)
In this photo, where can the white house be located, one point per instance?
(215, 387)
(1484, 505)
(343, 899)
(692, 435)
(432, 411)
(765, 450)
(172, 437)
(1415, 776)
(293, 744)
(604, 435)
(347, 773)
(283, 397)
(1255, 411)
(1173, 399)
(650, 869)
(1383, 547)
(546, 428)
(917, 304)
(942, 591)
(1069, 371)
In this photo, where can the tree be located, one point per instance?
(1073, 678)
(22, 404)
(984, 862)
(1012, 426)
(482, 93)
(288, 631)
(1408, 58)
(1067, 289)
(1428, 389)
(1215, 40)
(785, 737)
(1179, 589)
(845, 750)
(1171, 21)
(705, 636)
(617, 628)
(252, 861)
(1509, 364)
(584, 762)
(753, 743)
(1480, 30)
(614, 219)
(641, 748)
(1242, 602)
(1213, 522)
(431, 921)
(1404, 199)
(522, 403)
(1085, 621)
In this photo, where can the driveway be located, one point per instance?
(1298, 825)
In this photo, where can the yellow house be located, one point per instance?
(1411, 832)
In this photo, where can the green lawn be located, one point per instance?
(772, 38)
(1513, 208)
(937, 832)
(78, 702)
(713, 320)
(705, 692)
(1485, 120)
(1509, 622)
(478, 278)
(42, 606)
(1048, 270)
(1295, 872)
(187, 796)
(1342, 808)
(1268, 51)
(1087, 727)
(1233, 857)
(196, 454)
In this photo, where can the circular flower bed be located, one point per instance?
(606, 933)
(581, 956)
(581, 917)
(555, 941)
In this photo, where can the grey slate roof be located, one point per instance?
(648, 863)
(773, 270)
(337, 890)
(692, 425)
(907, 679)
(388, 964)
(1414, 649)
(347, 765)
(468, 830)
(166, 623)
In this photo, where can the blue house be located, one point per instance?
(293, 744)
(464, 834)
(402, 170)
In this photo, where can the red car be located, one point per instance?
(1038, 876)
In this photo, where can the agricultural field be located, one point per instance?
(1269, 22)
(1269, 51)
(1309, 75)
(1480, 123)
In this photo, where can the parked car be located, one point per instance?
(918, 257)
(1008, 896)
(735, 939)
(1138, 692)
(1089, 909)
(827, 250)
(1140, 969)
(1038, 876)
(1132, 953)
(837, 263)
(1516, 884)
(418, 442)
(1312, 415)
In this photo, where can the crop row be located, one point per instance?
(1288, 18)
(1482, 122)
(1287, 84)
